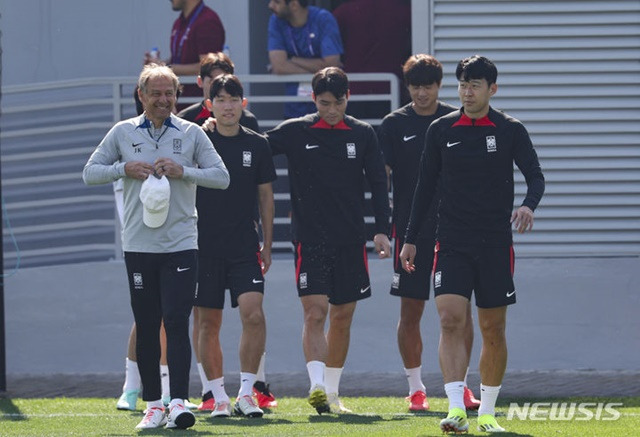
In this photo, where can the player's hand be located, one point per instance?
(407, 257)
(138, 170)
(522, 219)
(169, 168)
(382, 245)
(209, 125)
(265, 254)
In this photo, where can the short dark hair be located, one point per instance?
(216, 61)
(422, 69)
(331, 79)
(476, 67)
(228, 82)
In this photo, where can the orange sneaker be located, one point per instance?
(418, 401)
(208, 402)
(470, 401)
(264, 397)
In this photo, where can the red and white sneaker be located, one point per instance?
(264, 397)
(418, 401)
(179, 416)
(221, 409)
(208, 402)
(245, 406)
(154, 417)
(470, 401)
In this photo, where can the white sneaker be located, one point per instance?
(335, 404)
(246, 406)
(153, 418)
(180, 417)
(221, 409)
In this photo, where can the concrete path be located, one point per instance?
(576, 319)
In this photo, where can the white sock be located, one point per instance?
(414, 376)
(203, 377)
(488, 398)
(332, 378)
(455, 394)
(216, 387)
(164, 380)
(246, 384)
(260, 375)
(131, 376)
(315, 369)
(465, 377)
(155, 404)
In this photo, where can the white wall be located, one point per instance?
(48, 40)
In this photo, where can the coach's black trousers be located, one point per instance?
(162, 287)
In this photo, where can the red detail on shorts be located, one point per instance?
(298, 260)
(512, 259)
(259, 256)
(436, 249)
(321, 124)
(396, 255)
(466, 121)
(366, 260)
(393, 231)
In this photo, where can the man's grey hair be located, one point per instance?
(151, 71)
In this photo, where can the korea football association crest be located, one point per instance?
(395, 282)
(351, 150)
(246, 159)
(491, 144)
(302, 280)
(137, 281)
(437, 279)
(177, 146)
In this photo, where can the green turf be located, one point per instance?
(294, 417)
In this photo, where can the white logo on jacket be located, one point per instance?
(177, 146)
(246, 159)
(492, 146)
(351, 150)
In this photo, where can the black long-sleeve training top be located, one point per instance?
(327, 170)
(474, 160)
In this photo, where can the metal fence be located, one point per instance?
(50, 129)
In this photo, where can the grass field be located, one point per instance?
(378, 416)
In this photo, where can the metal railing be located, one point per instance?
(49, 130)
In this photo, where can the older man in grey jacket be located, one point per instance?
(161, 158)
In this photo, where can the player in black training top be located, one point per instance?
(330, 156)
(471, 152)
(230, 256)
(211, 66)
(401, 137)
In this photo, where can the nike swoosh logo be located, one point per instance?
(256, 281)
(182, 269)
(364, 290)
(136, 145)
(452, 144)
(309, 147)
(511, 294)
(405, 138)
